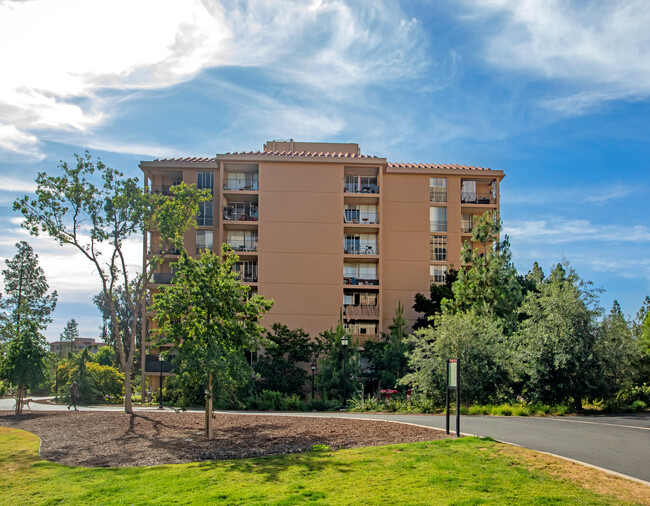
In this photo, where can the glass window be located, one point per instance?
(438, 273)
(438, 189)
(438, 219)
(203, 240)
(205, 218)
(466, 223)
(351, 213)
(438, 246)
(242, 240)
(205, 180)
(468, 191)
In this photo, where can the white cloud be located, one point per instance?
(59, 56)
(583, 194)
(600, 47)
(558, 230)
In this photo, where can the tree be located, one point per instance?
(616, 351)
(105, 356)
(126, 314)
(70, 333)
(388, 358)
(25, 361)
(490, 283)
(95, 209)
(284, 350)
(336, 359)
(26, 289)
(432, 307)
(210, 319)
(477, 339)
(558, 340)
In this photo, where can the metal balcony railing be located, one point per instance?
(238, 184)
(477, 198)
(243, 246)
(360, 188)
(152, 364)
(360, 249)
(353, 280)
(354, 217)
(161, 189)
(231, 213)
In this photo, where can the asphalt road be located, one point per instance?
(619, 443)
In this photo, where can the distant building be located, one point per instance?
(62, 348)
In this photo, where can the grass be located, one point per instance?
(464, 471)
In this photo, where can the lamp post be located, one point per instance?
(56, 377)
(160, 364)
(344, 345)
(313, 371)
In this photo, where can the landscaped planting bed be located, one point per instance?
(101, 439)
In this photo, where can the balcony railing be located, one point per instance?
(477, 198)
(438, 226)
(362, 311)
(231, 213)
(360, 249)
(353, 280)
(360, 188)
(235, 184)
(248, 278)
(437, 195)
(163, 278)
(152, 364)
(466, 228)
(363, 219)
(244, 246)
(161, 189)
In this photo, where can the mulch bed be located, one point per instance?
(102, 439)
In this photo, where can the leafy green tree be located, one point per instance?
(25, 361)
(617, 353)
(387, 358)
(26, 290)
(70, 333)
(108, 381)
(278, 367)
(210, 319)
(477, 339)
(105, 356)
(88, 388)
(490, 283)
(95, 210)
(336, 359)
(432, 307)
(126, 314)
(558, 340)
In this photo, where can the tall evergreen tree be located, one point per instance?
(70, 333)
(432, 307)
(26, 293)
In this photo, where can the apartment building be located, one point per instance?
(61, 348)
(320, 227)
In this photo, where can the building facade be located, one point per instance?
(62, 348)
(320, 227)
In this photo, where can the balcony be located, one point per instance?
(162, 189)
(477, 198)
(356, 218)
(243, 246)
(238, 184)
(362, 312)
(163, 278)
(247, 271)
(153, 365)
(360, 249)
(352, 280)
(240, 212)
(360, 188)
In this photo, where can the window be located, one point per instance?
(241, 181)
(360, 299)
(247, 271)
(354, 274)
(360, 184)
(205, 180)
(438, 246)
(438, 189)
(357, 213)
(468, 191)
(466, 223)
(360, 244)
(438, 273)
(361, 328)
(438, 219)
(203, 240)
(205, 218)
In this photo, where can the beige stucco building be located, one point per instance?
(319, 227)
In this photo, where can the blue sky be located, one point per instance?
(555, 93)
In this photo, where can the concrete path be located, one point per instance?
(619, 443)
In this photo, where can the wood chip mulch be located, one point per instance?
(116, 439)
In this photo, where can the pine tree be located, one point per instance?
(26, 297)
(70, 333)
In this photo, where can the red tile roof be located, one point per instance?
(189, 159)
(315, 154)
(433, 166)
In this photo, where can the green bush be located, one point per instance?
(639, 405)
(3, 389)
(292, 403)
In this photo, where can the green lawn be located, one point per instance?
(465, 471)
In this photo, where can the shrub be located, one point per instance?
(292, 403)
(639, 405)
(3, 389)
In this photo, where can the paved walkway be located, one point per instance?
(619, 443)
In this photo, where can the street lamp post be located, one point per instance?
(313, 371)
(160, 364)
(56, 378)
(344, 344)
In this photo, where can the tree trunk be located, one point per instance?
(208, 409)
(20, 395)
(128, 407)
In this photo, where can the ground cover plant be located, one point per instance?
(465, 470)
